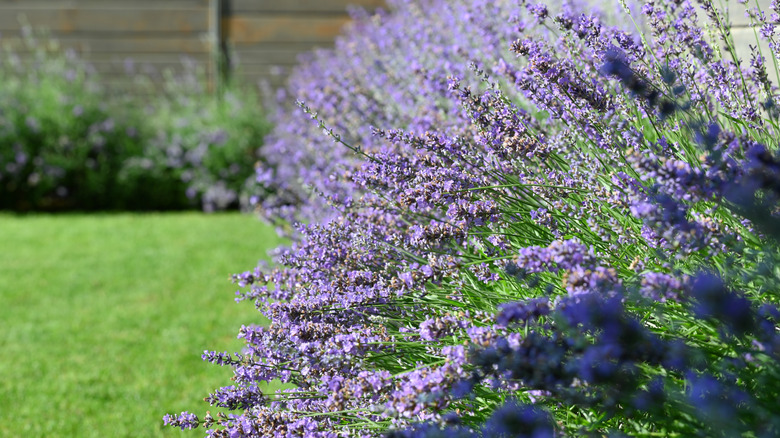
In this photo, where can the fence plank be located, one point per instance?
(107, 20)
(257, 29)
(142, 67)
(278, 78)
(265, 70)
(250, 55)
(273, 81)
(139, 57)
(51, 5)
(132, 65)
(300, 6)
(123, 44)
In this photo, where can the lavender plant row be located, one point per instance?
(516, 221)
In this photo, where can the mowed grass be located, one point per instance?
(104, 318)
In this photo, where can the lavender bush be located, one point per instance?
(210, 143)
(60, 145)
(511, 220)
(64, 145)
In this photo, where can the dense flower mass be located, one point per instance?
(514, 219)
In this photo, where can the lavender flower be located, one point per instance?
(522, 311)
(514, 419)
(185, 420)
(715, 301)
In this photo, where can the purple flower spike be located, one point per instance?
(185, 420)
(713, 300)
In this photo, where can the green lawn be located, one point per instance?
(104, 318)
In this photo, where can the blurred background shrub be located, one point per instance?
(209, 142)
(66, 145)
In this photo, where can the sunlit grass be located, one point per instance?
(104, 317)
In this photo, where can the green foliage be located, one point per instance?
(210, 144)
(65, 146)
(60, 144)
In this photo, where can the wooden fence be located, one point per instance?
(266, 36)
(263, 37)
(121, 38)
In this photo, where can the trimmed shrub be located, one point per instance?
(65, 146)
(61, 146)
(210, 145)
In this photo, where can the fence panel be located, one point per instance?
(120, 38)
(265, 37)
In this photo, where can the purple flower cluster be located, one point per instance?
(500, 200)
(185, 420)
(577, 368)
(510, 420)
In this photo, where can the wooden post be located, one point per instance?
(215, 46)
